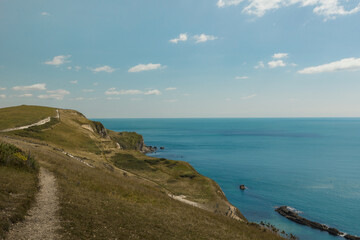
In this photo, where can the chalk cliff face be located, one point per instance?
(100, 129)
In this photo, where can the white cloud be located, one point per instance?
(224, 3)
(182, 38)
(113, 91)
(249, 97)
(170, 89)
(260, 65)
(38, 86)
(88, 90)
(241, 77)
(343, 64)
(204, 38)
(95, 83)
(329, 9)
(76, 68)
(3, 96)
(45, 14)
(74, 82)
(280, 55)
(105, 68)
(26, 95)
(2, 88)
(58, 60)
(83, 99)
(113, 98)
(145, 67)
(55, 94)
(152, 92)
(276, 63)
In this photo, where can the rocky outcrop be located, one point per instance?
(100, 129)
(148, 149)
(292, 215)
(130, 141)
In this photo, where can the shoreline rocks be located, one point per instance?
(294, 216)
(150, 149)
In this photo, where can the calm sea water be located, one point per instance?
(312, 165)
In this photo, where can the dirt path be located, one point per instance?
(39, 123)
(42, 221)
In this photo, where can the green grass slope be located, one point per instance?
(23, 115)
(111, 191)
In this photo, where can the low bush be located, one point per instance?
(13, 157)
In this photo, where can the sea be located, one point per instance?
(310, 164)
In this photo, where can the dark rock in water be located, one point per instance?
(334, 231)
(162, 148)
(293, 216)
(242, 187)
(350, 237)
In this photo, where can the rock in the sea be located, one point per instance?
(350, 237)
(162, 148)
(242, 187)
(290, 214)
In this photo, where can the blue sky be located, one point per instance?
(198, 58)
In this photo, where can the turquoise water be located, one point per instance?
(312, 165)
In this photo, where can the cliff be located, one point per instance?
(109, 189)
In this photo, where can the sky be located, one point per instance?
(182, 59)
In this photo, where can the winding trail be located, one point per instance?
(39, 123)
(42, 221)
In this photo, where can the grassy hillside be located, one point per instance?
(23, 115)
(110, 191)
(18, 185)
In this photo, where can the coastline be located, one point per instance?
(228, 210)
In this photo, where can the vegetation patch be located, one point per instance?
(128, 161)
(12, 156)
(18, 185)
(128, 140)
(191, 176)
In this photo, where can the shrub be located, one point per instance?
(14, 157)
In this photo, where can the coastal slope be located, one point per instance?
(108, 188)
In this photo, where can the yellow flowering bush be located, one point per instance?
(20, 156)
